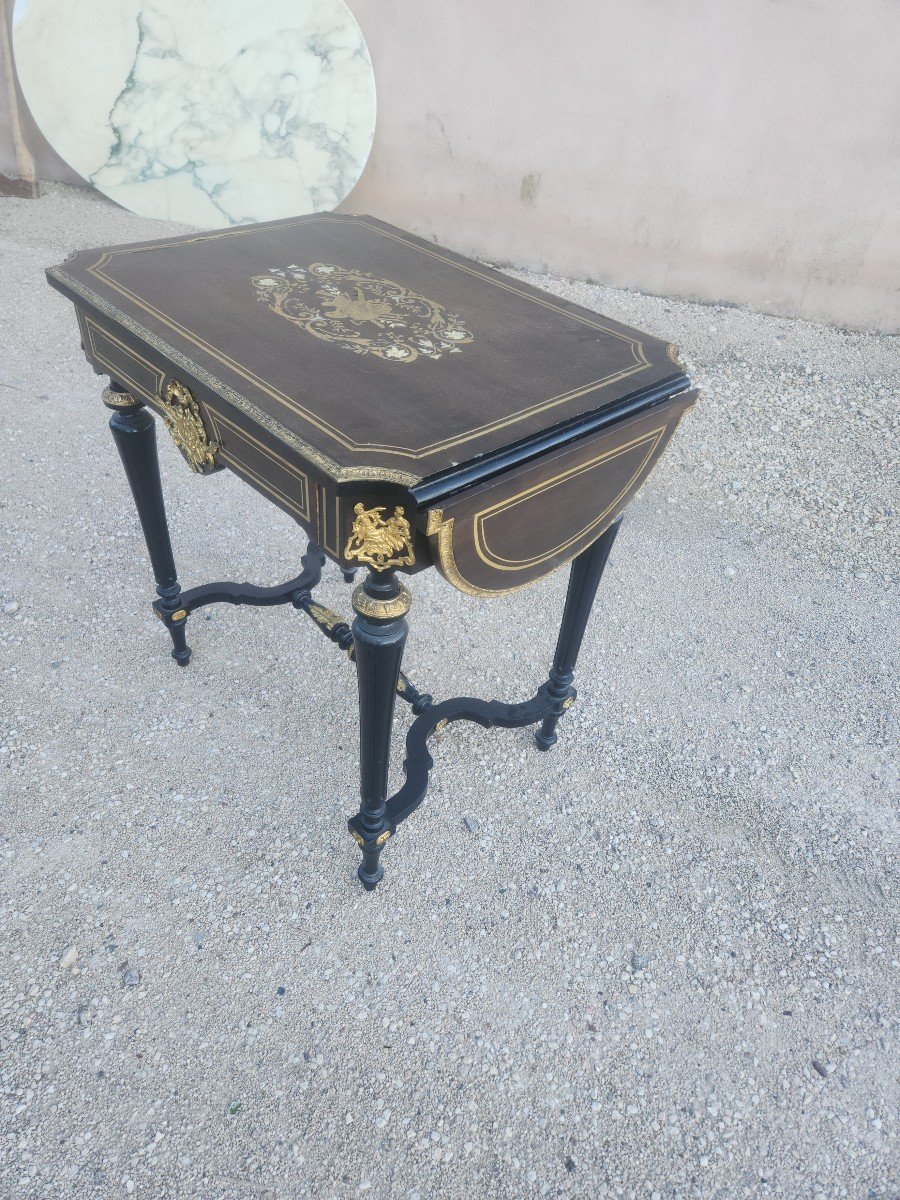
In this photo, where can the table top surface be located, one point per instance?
(373, 347)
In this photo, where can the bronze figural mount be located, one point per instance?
(408, 408)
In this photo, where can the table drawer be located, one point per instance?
(525, 523)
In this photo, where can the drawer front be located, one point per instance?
(127, 366)
(526, 523)
(209, 434)
(260, 460)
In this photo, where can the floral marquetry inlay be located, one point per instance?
(361, 313)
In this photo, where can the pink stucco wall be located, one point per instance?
(746, 151)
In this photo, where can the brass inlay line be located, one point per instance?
(225, 392)
(499, 563)
(332, 431)
(301, 476)
(441, 529)
(637, 347)
(240, 468)
(322, 536)
(91, 328)
(315, 419)
(449, 567)
(337, 525)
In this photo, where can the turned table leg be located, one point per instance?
(379, 634)
(584, 579)
(134, 432)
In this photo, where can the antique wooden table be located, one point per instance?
(408, 408)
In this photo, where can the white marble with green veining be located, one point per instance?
(211, 112)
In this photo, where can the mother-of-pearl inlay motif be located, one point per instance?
(211, 112)
(361, 313)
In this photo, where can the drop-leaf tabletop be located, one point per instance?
(409, 408)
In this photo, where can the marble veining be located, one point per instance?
(211, 112)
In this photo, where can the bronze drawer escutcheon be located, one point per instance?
(184, 422)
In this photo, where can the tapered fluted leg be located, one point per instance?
(584, 579)
(379, 635)
(134, 432)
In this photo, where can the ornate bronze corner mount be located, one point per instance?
(380, 543)
(114, 399)
(381, 610)
(184, 421)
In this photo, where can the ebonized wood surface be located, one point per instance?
(413, 358)
(337, 361)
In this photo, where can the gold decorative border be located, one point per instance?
(337, 525)
(641, 362)
(279, 497)
(318, 458)
(323, 498)
(89, 328)
(381, 610)
(119, 399)
(304, 509)
(442, 530)
(318, 492)
(499, 563)
(446, 561)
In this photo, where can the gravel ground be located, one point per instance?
(658, 962)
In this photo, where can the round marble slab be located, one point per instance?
(211, 112)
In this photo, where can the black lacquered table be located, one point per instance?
(408, 408)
